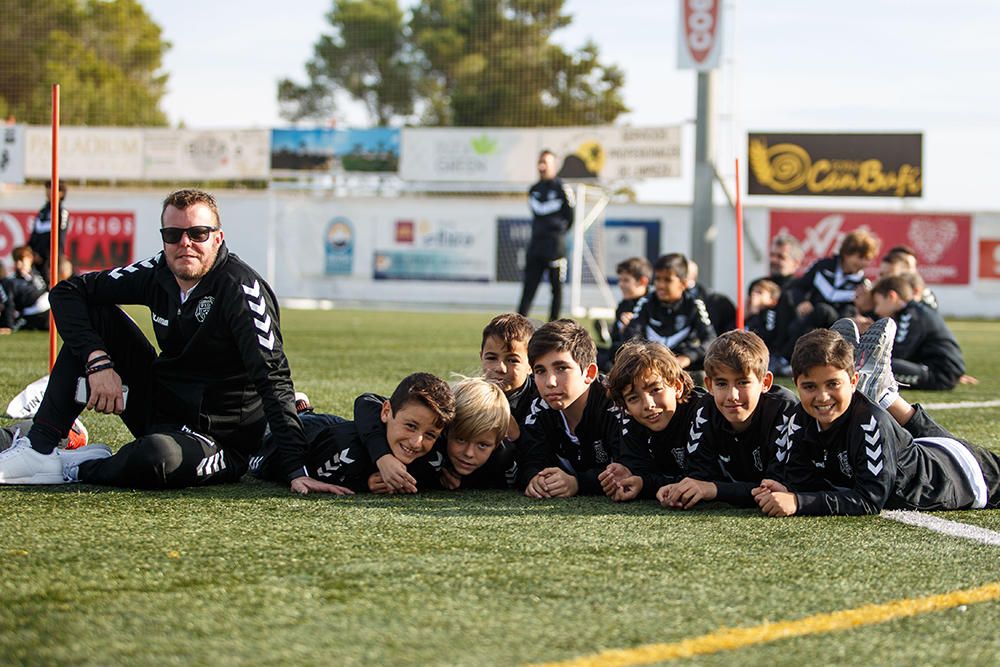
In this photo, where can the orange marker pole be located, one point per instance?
(739, 252)
(54, 215)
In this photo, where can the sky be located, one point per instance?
(844, 66)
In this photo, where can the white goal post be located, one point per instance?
(588, 252)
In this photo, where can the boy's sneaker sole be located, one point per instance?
(848, 330)
(874, 360)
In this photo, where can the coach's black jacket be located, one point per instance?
(546, 441)
(552, 216)
(737, 462)
(221, 369)
(658, 457)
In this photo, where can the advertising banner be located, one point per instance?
(94, 153)
(432, 249)
(97, 240)
(841, 165)
(328, 149)
(504, 155)
(989, 259)
(700, 39)
(12, 154)
(942, 242)
(206, 154)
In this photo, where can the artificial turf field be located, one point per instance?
(249, 574)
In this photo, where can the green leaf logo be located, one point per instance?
(483, 145)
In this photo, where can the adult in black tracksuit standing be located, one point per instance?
(199, 408)
(552, 213)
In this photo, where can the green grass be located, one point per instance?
(249, 574)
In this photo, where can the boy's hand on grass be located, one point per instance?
(536, 487)
(377, 485)
(627, 489)
(560, 484)
(450, 479)
(611, 477)
(306, 485)
(687, 493)
(394, 475)
(774, 499)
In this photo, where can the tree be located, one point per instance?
(457, 62)
(365, 56)
(105, 54)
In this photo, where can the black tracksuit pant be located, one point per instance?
(163, 455)
(535, 266)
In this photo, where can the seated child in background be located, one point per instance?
(847, 455)
(902, 260)
(29, 293)
(503, 354)
(661, 402)
(826, 292)
(671, 316)
(735, 441)
(385, 436)
(721, 309)
(762, 311)
(472, 453)
(925, 354)
(634, 275)
(573, 430)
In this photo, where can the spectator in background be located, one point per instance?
(784, 258)
(6, 304)
(762, 310)
(41, 230)
(901, 260)
(552, 216)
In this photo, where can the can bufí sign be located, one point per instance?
(842, 165)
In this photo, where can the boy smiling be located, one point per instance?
(732, 443)
(846, 455)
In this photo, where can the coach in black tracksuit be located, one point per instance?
(552, 214)
(198, 409)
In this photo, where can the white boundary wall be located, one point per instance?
(284, 236)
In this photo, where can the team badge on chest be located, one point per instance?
(204, 308)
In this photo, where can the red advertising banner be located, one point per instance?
(989, 259)
(943, 242)
(96, 240)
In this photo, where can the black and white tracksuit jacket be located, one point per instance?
(221, 370)
(737, 462)
(682, 326)
(552, 216)
(546, 440)
(865, 462)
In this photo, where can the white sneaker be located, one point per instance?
(20, 464)
(72, 458)
(874, 363)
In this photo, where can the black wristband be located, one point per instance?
(99, 368)
(96, 360)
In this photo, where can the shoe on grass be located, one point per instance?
(20, 464)
(72, 458)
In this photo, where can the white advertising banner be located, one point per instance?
(700, 40)
(506, 155)
(94, 153)
(12, 154)
(206, 154)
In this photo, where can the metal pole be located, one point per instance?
(739, 251)
(702, 224)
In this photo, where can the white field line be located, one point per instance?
(961, 405)
(944, 526)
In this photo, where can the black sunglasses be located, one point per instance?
(197, 234)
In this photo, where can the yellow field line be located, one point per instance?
(728, 639)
